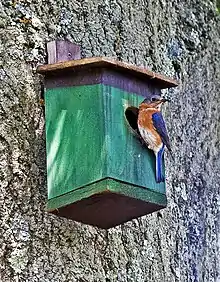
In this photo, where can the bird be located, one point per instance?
(152, 129)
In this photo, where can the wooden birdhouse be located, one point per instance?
(98, 172)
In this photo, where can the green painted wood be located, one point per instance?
(76, 154)
(88, 139)
(127, 159)
(109, 185)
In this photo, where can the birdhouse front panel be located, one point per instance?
(98, 171)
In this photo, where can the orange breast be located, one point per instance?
(145, 121)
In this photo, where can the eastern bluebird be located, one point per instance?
(153, 130)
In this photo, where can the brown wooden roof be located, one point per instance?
(96, 62)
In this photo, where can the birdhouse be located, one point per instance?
(98, 172)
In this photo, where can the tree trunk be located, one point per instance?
(180, 243)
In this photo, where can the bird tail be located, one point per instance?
(159, 173)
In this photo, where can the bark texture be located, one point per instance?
(180, 243)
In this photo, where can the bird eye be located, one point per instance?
(153, 99)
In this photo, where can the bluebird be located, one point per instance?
(153, 130)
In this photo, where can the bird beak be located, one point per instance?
(160, 101)
(163, 100)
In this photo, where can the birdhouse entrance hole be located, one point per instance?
(131, 114)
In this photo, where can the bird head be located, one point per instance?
(154, 102)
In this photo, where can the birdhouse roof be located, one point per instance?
(108, 63)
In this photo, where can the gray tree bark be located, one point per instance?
(180, 243)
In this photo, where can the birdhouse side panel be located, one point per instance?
(76, 148)
(127, 160)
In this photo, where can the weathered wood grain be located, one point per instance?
(111, 77)
(61, 51)
(94, 62)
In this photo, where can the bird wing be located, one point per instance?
(160, 127)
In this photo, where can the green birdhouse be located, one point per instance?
(98, 172)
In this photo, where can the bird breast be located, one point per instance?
(148, 131)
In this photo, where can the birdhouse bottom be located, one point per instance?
(107, 203)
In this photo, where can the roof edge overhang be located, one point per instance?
(105, 62)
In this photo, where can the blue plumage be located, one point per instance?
(159, 173)
(160, 127)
